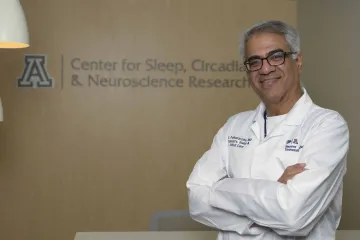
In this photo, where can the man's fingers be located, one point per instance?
(295, 170)
(300, 165)
(296, 167)
(291, 171)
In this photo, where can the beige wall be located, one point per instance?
(330, 45)
(106, 158)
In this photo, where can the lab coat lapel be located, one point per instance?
(297, 114)
(257, 120)
(293, 118)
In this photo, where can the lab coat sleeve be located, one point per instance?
(293, 208)
(208, 170)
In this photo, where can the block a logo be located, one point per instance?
(35, 74)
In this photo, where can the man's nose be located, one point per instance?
(266, 67)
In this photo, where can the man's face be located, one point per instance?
(272, 83)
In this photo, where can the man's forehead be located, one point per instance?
(264, 43)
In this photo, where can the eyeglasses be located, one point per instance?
(274, 59)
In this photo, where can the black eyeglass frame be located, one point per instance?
(285, 54)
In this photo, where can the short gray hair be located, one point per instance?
(272, 26)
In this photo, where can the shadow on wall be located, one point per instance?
(175, 220)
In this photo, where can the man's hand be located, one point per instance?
(291, 171)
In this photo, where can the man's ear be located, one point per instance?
(299, 61)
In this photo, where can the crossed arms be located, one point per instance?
(293, 209)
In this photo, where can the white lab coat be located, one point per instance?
(234, 184)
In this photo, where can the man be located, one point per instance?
(275, 172)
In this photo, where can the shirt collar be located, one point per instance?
(295, 116)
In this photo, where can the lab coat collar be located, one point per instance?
(294, 117)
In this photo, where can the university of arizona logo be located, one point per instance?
(293, 145)
(35, 73)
